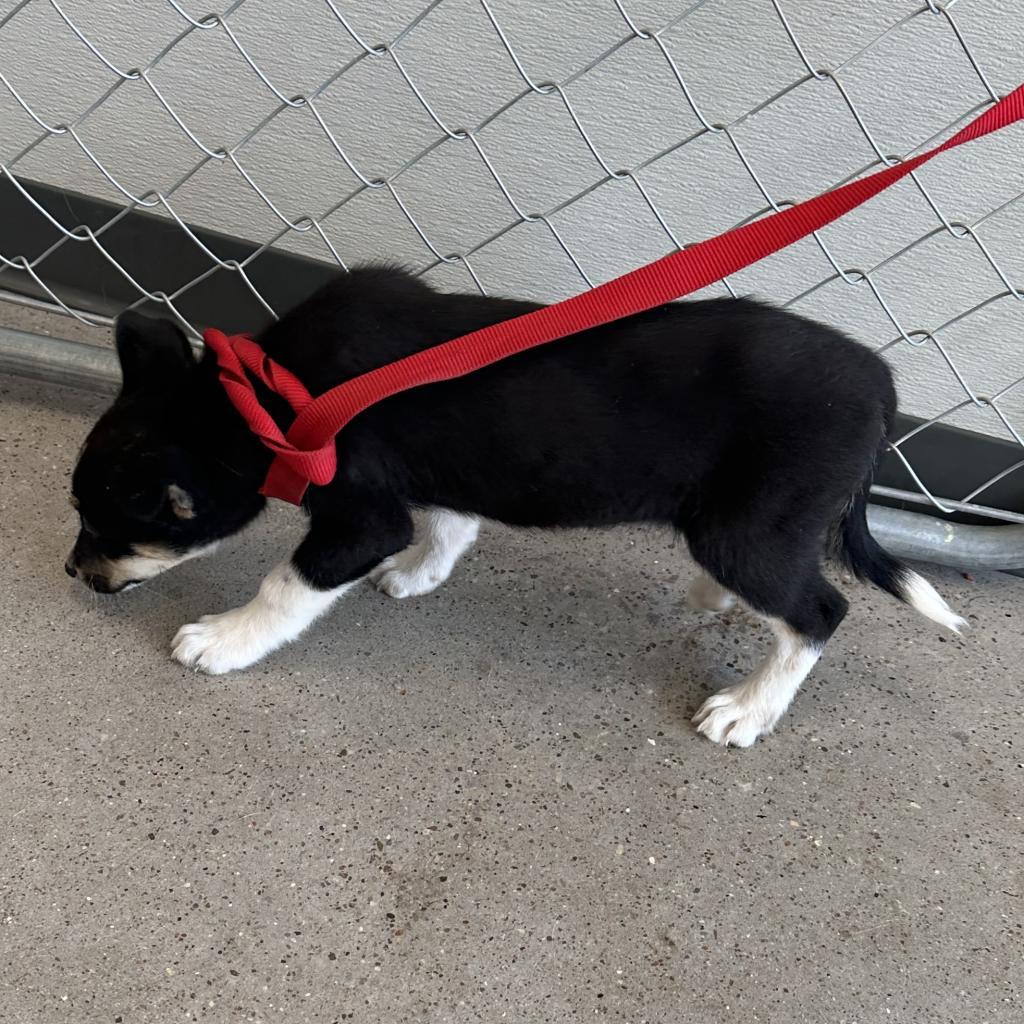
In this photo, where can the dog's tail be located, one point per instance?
(866, 559)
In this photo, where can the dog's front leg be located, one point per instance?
(331, 559)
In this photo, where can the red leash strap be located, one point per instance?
(306, 454)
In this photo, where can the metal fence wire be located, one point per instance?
(539, 148)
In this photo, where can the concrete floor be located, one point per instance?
(488, 804)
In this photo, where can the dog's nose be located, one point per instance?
(70, 569)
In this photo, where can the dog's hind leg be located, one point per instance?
(442, 537)
(784, 586)
(707, 595)
(738, 715)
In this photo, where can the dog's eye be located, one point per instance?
(75, 503)
(86, 527)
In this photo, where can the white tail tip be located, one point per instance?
(922, 597)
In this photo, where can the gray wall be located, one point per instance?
(734, 54)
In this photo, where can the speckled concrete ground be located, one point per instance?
(488, 804)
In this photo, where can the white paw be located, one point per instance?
(727, 718)
(218, 643)
(407, 574)
(705, 595)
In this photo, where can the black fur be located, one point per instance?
(749, 429)
(863, 555)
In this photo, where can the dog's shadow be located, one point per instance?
(569, 609)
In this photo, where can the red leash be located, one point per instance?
(306, 453)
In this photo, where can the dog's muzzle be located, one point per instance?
(96, 581)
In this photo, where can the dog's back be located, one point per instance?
(638, 420)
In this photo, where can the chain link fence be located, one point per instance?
(537, 149)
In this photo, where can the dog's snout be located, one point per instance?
(93, 580)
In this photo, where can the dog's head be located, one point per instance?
(154, 485)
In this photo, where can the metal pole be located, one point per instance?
(926, 539)
(71, 363)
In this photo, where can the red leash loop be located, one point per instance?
(306, 453)
(238, 354)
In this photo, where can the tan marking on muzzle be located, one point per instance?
(147, 561)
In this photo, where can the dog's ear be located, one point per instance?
(181, 502)
(149, 350)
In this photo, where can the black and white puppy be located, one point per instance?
(751, 431)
